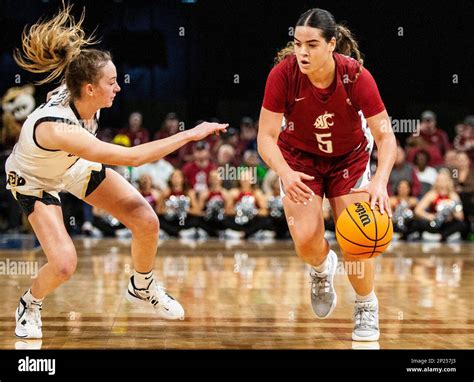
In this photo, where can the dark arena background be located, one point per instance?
(234, 267)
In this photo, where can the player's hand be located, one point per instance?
(295, 189)
(377, 194)
(204, 129)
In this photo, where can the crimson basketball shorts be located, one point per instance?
(333, 176)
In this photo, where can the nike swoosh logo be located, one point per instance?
(299, 99)
(149, 277)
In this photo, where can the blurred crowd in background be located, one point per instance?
(219, 187)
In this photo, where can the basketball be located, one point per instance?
(363, 233)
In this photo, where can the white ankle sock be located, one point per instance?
(370, 297)
(30, 299)
(322, 267)
(142, 280)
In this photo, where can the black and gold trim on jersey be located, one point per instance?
(94, 123)
(49, 119)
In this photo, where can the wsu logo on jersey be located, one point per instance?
(324, 121)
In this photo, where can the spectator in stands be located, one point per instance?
(230, 137)
(186, 152)
(225, 160)
(248, 136)
(425, 174)
(430, 132)
(464, 140)
(226, 155)
(197, 171)
(450, 160)
(403, 170)
(252, 160)
(122, 140)
(169, 127)
(431, 139)
(159, 171)
(464, 183)
(135, 131)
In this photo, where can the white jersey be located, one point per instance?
(32, 169)
(28, 157)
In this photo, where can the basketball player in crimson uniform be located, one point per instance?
(326, 99)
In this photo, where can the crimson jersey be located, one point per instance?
(327, 121)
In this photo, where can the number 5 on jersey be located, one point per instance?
(324, 142)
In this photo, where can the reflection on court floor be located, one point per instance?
(242, 295)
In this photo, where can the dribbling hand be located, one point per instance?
(378, 195)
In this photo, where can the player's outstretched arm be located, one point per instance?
(76, 140)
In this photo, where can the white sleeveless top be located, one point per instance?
(28, 157)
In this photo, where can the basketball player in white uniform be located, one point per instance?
(35, 172)
(57, 150)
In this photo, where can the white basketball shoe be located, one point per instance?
(28, 320)
(366, 321)
(323, 295)
(156, 296)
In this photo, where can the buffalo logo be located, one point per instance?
(14, 180)
(324, 121)
(362, 213)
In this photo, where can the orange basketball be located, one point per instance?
(363, 233)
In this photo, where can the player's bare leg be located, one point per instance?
(366, 316)
(306, 226)
(47, 223)
(116, 196)
(363, 283)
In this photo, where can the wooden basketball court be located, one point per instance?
(245, 295)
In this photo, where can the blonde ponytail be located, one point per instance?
(49, 46)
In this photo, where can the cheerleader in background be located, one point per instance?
(275, 206)
(403, 205)
(214, 204)
(177, 206)
(250, 213)
(440, 210)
